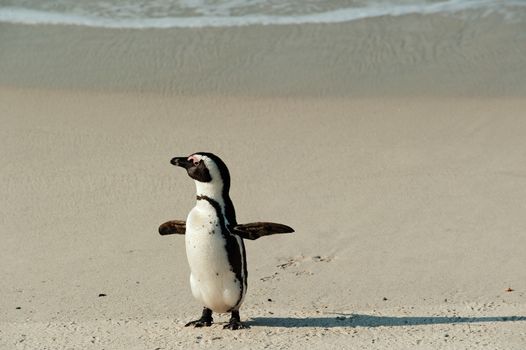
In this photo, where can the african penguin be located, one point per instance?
(216, 255)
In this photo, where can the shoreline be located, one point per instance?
(413, 55)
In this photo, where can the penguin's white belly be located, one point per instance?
(212, 280)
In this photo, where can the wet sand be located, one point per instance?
(412, 55)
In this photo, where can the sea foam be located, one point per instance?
(224, 15)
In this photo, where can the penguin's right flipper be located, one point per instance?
(255, 230)
(173, 227)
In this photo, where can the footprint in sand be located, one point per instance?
(298, 260)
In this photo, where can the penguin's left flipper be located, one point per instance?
(255, 230)
(173, 227)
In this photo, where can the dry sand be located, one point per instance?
(408, 203)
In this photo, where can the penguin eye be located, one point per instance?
(196, 163)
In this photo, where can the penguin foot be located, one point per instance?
(205, 320)
(199, 323)
(235, 322)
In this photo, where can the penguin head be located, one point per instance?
(208, 170)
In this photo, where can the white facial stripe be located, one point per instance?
(212, 189)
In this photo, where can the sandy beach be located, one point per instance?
(395, 149)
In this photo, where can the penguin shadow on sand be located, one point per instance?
(357, 320)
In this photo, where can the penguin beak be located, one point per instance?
(183, 162)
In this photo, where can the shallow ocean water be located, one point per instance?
(227, 13)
